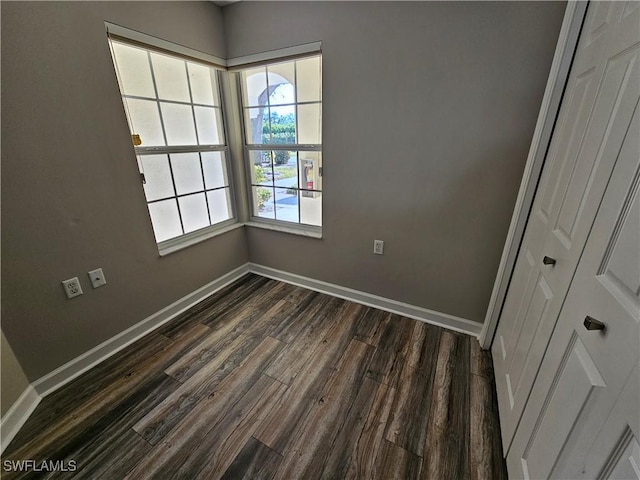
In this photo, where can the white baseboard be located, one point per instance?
(18, 414)
(76, 367)
(418, 313)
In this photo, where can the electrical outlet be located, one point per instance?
(378, 247)
(72, 287)
(97, 278)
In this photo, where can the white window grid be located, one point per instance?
(176, 149)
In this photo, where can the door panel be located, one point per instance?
(537, 321)
(576, 380)
(573, 126)
(599, 102)
(622, 461)
(582, 419)
(617, 274)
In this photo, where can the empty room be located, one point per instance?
(320, 240)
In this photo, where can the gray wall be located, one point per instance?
(71, 196)
(14, 381)
(429, 109)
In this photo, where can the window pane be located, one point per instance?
(209, 122)
(158, 177)
(204, 87)
(287, 204)
(178, 123)
(311, 208)
(186, 172)
(285, 169)
(308, 73)
(144, 120)
(309, 123)
(263, 202)
(256, 157)
(194, 212)
(219, 205)
(215, 169)
(310, 164)
(257, 125)
(171, 78)
(134, 73)
(165, 220)
(254, 91)
(283, 125)
(281, 79)
(261, 172)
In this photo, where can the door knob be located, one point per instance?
(548, 260)
(593, 324)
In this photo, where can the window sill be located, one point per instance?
(311, 232)
(175, 244)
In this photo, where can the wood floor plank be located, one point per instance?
(61, 403)
(51, 437)
(314, 440)
(107, 435)
(225, 356)
(218, 340)
(209, 310)
(396, 463)
(409, 415)
(317, 324)
(167, 457)
(388, 361)
(371, 325)
(447, 443)
(282, 291)
(200, 312)
(289, 329)
(238, 317)
(486, 448)
(363, 460)
(115, 464)
(162, 419)
(105, 441)
(346, 441)
(278, 430)
(481, 362)
(255, 461)
(225, 441)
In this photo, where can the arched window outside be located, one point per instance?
(282, 113)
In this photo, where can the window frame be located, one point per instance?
(274, 223)
(150, 44)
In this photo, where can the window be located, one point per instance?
(173, 106)
(282, 114)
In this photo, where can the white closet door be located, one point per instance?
(595, 114)
(582, 420)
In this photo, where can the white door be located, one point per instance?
(582, 420)
(596, 110)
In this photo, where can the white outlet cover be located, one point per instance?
(97, 278)
(72, 287)
(378, 247)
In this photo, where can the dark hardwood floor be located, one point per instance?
(265, 380)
